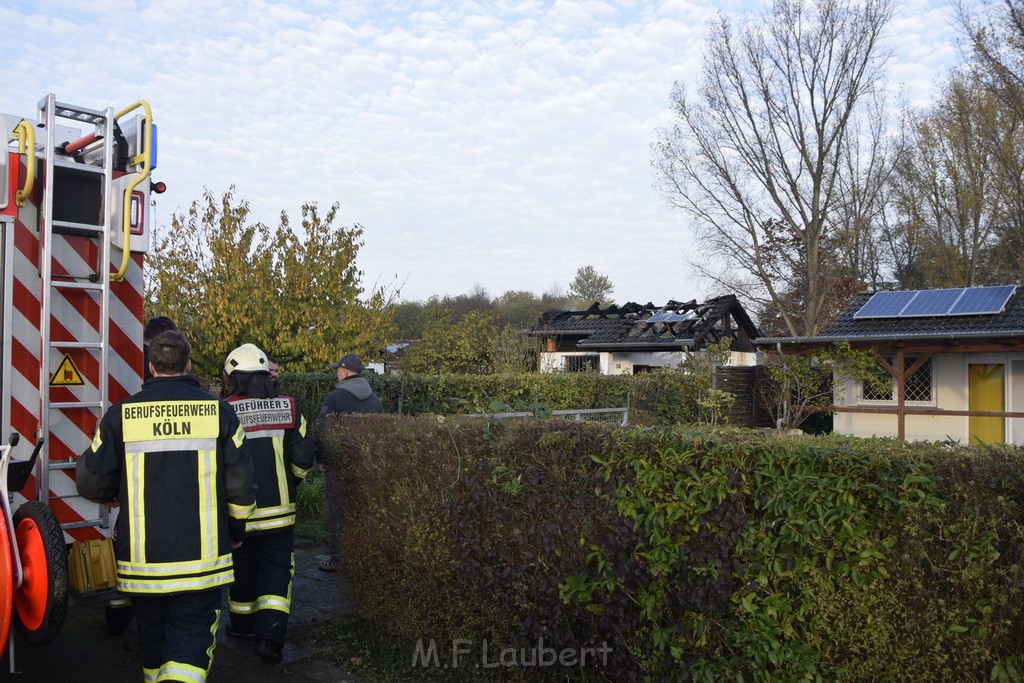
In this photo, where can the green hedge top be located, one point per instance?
(691, 553)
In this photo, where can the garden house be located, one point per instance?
(953, 360)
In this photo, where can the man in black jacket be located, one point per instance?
(176, 461)
(352, 394)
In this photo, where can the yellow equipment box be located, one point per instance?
(91, 565)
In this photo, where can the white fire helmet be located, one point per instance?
(246, 358)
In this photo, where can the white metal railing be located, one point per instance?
(618, 415)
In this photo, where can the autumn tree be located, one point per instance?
(945, 193)
(447, 347)
(226, 280)
(589, 286)
(995, 37)
(759, 156)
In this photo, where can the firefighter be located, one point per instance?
(282, 448)
(118, 614)
(176, 460)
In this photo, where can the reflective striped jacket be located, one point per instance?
(282, 456)
(175, 459)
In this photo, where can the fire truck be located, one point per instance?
(75, 187)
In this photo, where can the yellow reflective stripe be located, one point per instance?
(184, 567)
(264, 513)
(149, 675)
(180, 671)
(176, 585)
(279, 467)
(241, 607)
(278, 523)
(239, 437)
(299, 471)
(263, 433)
(165, 445)
(97, 440)
(136, 477)
(241, 511)
(302, 426)
(213, 642)
(274, 602)
(208, 528)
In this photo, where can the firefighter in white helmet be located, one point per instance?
(282, 448)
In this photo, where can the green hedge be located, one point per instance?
(665, 397)
(694, 554)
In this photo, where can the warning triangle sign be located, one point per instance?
(66, 374)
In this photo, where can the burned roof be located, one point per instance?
(1007, 323)
(674, 325)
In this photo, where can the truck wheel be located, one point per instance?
(6, 582)
(41, 602)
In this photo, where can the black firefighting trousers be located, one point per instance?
(260, 598)
(177, 633)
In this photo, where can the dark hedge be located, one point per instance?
(692, 553)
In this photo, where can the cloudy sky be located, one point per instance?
(502, 144)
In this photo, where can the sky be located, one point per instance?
(500, 145)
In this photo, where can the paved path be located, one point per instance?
(85, 652)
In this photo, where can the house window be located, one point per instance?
(590, 362)
(918, 385)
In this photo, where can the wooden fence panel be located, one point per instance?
(747, 385)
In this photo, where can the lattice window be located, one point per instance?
(590, 362)
(918, 386)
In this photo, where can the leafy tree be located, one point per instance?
(453, 348)
(227, 280)
(410, 319)
(995, 34)
(806, 384)
(589, 286)
(519, 308)
(713, 405)
(944, 188)
(514, 351)
(760, 157)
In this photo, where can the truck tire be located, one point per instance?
(41, 603)
(6, 582)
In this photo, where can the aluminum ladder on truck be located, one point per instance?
(86, 210)
(71, 207)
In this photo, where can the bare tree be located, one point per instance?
(758, 158)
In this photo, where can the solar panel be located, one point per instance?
(671, 317)
(885, 304)
(932, 302)
(983, 300)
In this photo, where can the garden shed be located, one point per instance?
(953, 360)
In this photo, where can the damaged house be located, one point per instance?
(634, 338)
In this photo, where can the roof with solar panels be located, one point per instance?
(954, 314)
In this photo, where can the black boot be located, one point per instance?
(118, 619)
(268, 651)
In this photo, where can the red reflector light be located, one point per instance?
(159, 188)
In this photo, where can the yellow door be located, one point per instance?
(986, 391)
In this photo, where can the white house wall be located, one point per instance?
(623, 362)
(620, 363)
(949, 393)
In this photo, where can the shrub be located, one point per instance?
(694, 553)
